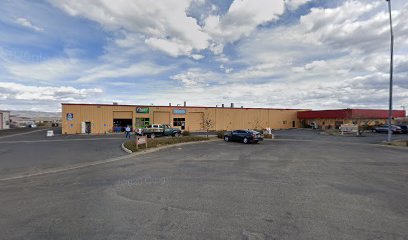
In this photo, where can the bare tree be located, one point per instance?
(208, 123)
(257, 124)
(360, 121)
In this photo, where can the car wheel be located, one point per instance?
(245, 140)
(226, 138)
(256, 142)
(152, 136)
(177, 134)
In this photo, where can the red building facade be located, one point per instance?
(334, 118)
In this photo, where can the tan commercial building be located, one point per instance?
(106, 118)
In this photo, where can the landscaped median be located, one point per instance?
(399, 143)
(158, 142)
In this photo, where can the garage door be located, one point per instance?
(122, 115)
(161, 118)
(195, 121)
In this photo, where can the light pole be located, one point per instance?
(391, 69)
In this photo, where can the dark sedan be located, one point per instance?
(384, 129)
(245, 136)
(404, 128)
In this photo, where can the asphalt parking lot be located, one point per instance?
(316, 135)
(302, 186)
(28, 151)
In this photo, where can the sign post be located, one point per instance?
(141, 140)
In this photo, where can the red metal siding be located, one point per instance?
(342, 113)
(350, 113)
(376, 114)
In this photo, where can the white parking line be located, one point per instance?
(60, 140)
(24, 133)
(64, 169)
(99, 162)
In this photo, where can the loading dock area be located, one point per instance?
(333, 119)
(106, 118)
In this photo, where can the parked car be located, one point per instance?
(158, 130)
(245, 136)
(384, 129)
(32, 126)
(404, 128)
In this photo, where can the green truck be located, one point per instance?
(160, 130)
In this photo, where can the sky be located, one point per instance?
(312, 54)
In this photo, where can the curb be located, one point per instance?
(95, 163)
(125, 149)
(340, 142)
(149, 150)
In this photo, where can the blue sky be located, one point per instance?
(258, 53)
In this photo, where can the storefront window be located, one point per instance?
(179, 122)
(142, 122)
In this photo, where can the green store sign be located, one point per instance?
(142, 110)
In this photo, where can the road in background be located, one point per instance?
(310, 134)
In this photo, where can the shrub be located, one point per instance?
(220, 134)
(268, 136)
(157, 142)
(259, 130)
(186, 133)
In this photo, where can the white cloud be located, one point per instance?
(328, 58)
(113, 65)
(28, 24)
(172, 47)
(108, 71)
(164, 24)
(197, 56)
(295, 4)
(332, 58)
(167, 27)
(241, 19)
(16, 91)
(194, 77)
(50, 70)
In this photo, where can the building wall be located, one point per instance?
(350, 114)
(330, 123)
(4, 120)
(101, 117)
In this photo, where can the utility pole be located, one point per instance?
(391, 70)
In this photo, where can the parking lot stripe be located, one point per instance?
(24, 133)
(95, 163)
(63, 169)
(59, 140)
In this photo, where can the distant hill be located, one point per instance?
(35, 114)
